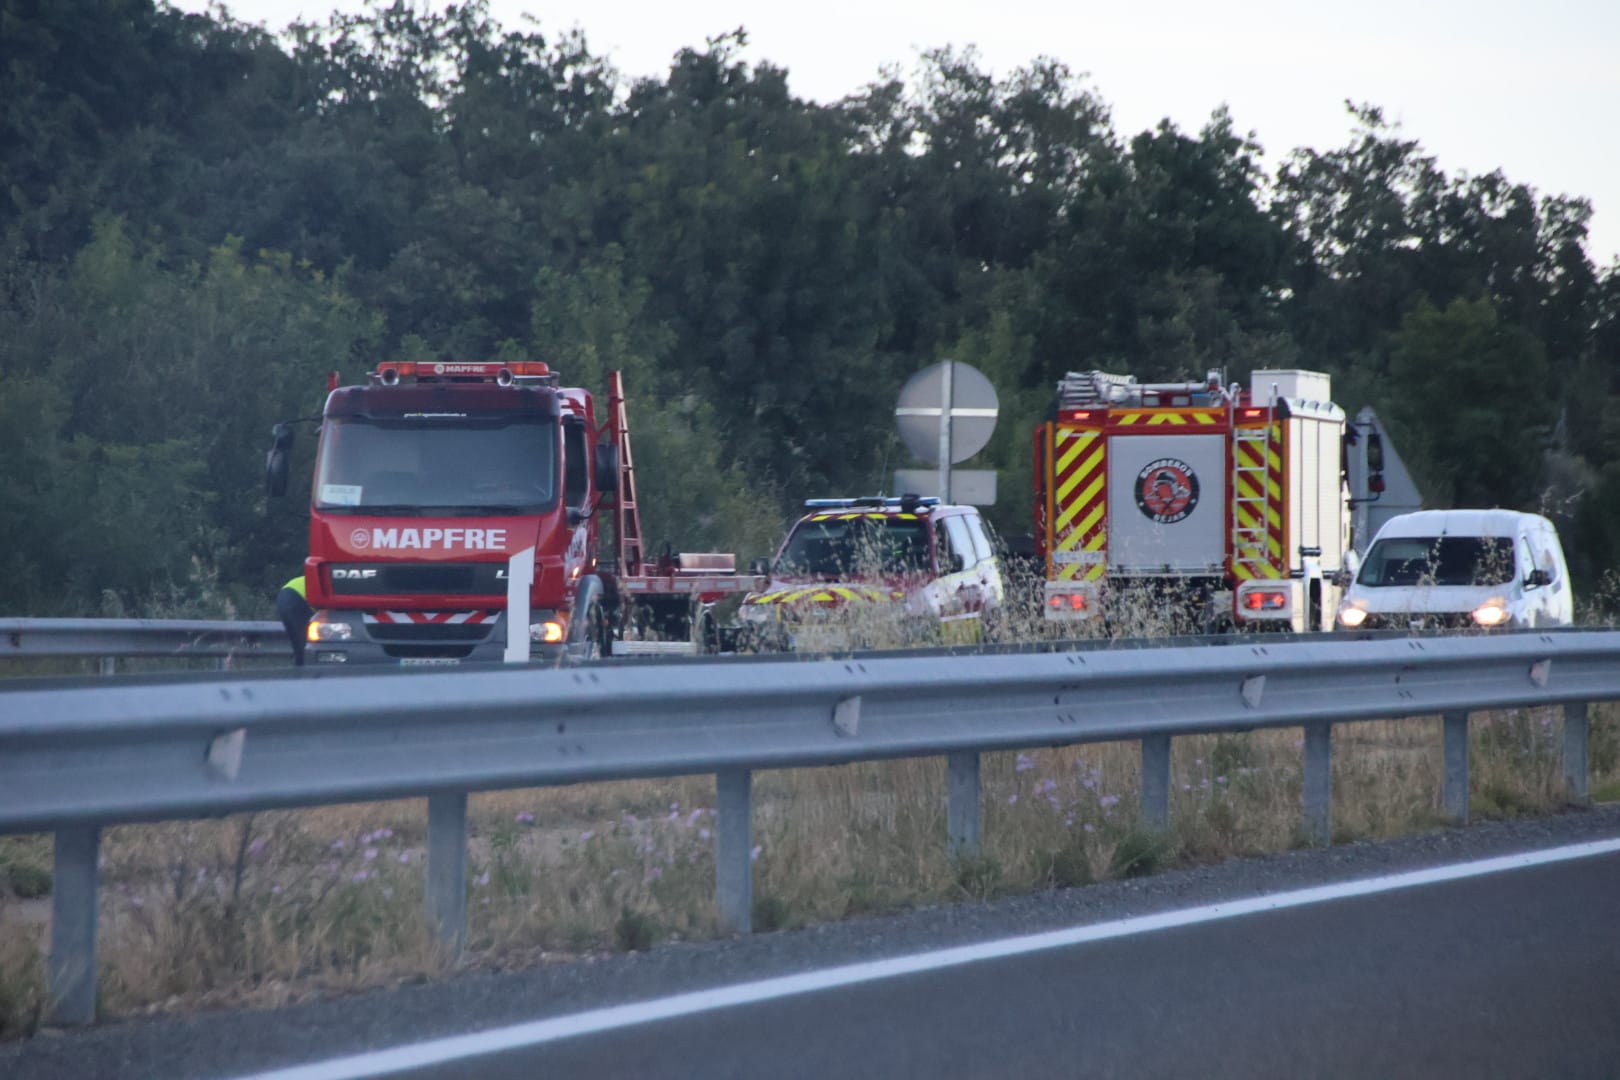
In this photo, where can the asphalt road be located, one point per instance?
(1512, 974)
(1515, 974)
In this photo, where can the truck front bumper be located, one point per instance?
(418, 638)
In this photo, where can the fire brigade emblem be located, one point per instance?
(360, 538)
(1166, 490)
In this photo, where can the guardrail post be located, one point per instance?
(447, 871)
(108, 665)
(1156, 781)
(1319, 783)
(71, 971)
(1577, 729)
(962, 802)
(734, 855)
(1455, 801)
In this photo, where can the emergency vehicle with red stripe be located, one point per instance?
(896, 569)
(431, 481)
(1231, 500)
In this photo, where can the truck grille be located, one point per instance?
(429, 631)
(419, 579)
(1425, 621)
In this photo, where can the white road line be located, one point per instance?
(535, 1033)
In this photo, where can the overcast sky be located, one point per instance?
(1528, 86)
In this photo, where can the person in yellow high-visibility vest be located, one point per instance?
(294, 612)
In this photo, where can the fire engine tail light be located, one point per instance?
(1265, 600)
(1070, 601)
(1271, 600)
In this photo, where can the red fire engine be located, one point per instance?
(431, 482)
(1226, 501)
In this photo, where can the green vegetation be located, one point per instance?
(199, 220)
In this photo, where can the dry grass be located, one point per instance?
(273, 908)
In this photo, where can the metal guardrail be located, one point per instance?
(110, 639)
(73, 760)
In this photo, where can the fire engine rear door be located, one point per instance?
(1166, 503)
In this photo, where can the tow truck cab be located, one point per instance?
(428, 481)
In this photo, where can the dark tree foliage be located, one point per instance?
(198, 220)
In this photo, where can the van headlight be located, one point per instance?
(1491, 613)
(1352, 616)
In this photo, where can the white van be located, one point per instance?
(1461, 568)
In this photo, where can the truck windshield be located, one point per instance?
(874, 546)
(457, 464)
(1439, 560)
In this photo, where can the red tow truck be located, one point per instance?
(439, 485)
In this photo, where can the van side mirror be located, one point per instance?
(276, 461)
(1375, 452)
(607, 468)
(760, 567)
(1537, 578)
(1375, 463)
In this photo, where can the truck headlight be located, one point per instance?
(1491, 613)
(321, 628)
(1352, 616)
(550, 632)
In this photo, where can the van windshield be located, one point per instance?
(874, 545)
(1438, 560)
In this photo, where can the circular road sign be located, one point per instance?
(953, 389)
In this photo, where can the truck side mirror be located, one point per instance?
(1375, 452)
(1537, 578)
(607, 468)
(276, 461)
(760, 567)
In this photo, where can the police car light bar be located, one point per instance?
(870, 500)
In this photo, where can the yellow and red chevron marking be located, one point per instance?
(1079, 512)
(1271, 562)
(1166, 418)
(827, 594)
(448, 618)
(861, 514)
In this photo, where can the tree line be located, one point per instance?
(199, 220)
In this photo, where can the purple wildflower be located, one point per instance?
(753, 856)
(1089, 827)
(1024, 763)
(586, 835)
(703, 834)
(371, 853)
(256, 848)
(1108, 802)
(482, 879)
(404, 858)
(1012, 799)
(523, 817)
(362, 875)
